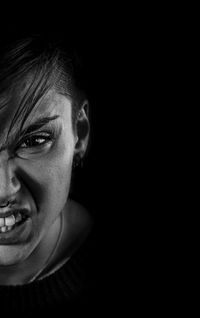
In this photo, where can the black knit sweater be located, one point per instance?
(72, 287)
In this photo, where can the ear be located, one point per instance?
(82, 130)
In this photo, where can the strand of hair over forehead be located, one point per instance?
(46, 75)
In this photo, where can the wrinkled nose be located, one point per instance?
(9, 183)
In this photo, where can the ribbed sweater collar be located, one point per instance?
(64, 286)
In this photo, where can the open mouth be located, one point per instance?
(12, 221)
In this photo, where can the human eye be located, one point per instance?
(36, 140)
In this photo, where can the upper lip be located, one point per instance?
(14, 211)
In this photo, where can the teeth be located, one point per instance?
(9, 221)
(18, 217)
(3, 229)
(6, 224)
(2, 222)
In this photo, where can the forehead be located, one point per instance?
(51, 104)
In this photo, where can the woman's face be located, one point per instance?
(35, 173)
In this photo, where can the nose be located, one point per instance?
(9, 183)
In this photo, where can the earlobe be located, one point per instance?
(82, 130)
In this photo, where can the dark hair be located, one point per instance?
(52, 62)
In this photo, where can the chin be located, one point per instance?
(11, 256)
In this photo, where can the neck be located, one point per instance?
(22, 273)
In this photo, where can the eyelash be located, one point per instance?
(46, 136)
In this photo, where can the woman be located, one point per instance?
(44, 129)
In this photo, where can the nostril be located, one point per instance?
(14, 180)
(16, 185)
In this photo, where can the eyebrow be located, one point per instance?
(33, 127)
(38, 124)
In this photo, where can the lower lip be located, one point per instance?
(19, 234)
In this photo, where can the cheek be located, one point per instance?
(55, 182)
(54, 178)
(48, 178)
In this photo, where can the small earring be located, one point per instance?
(77, 162)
